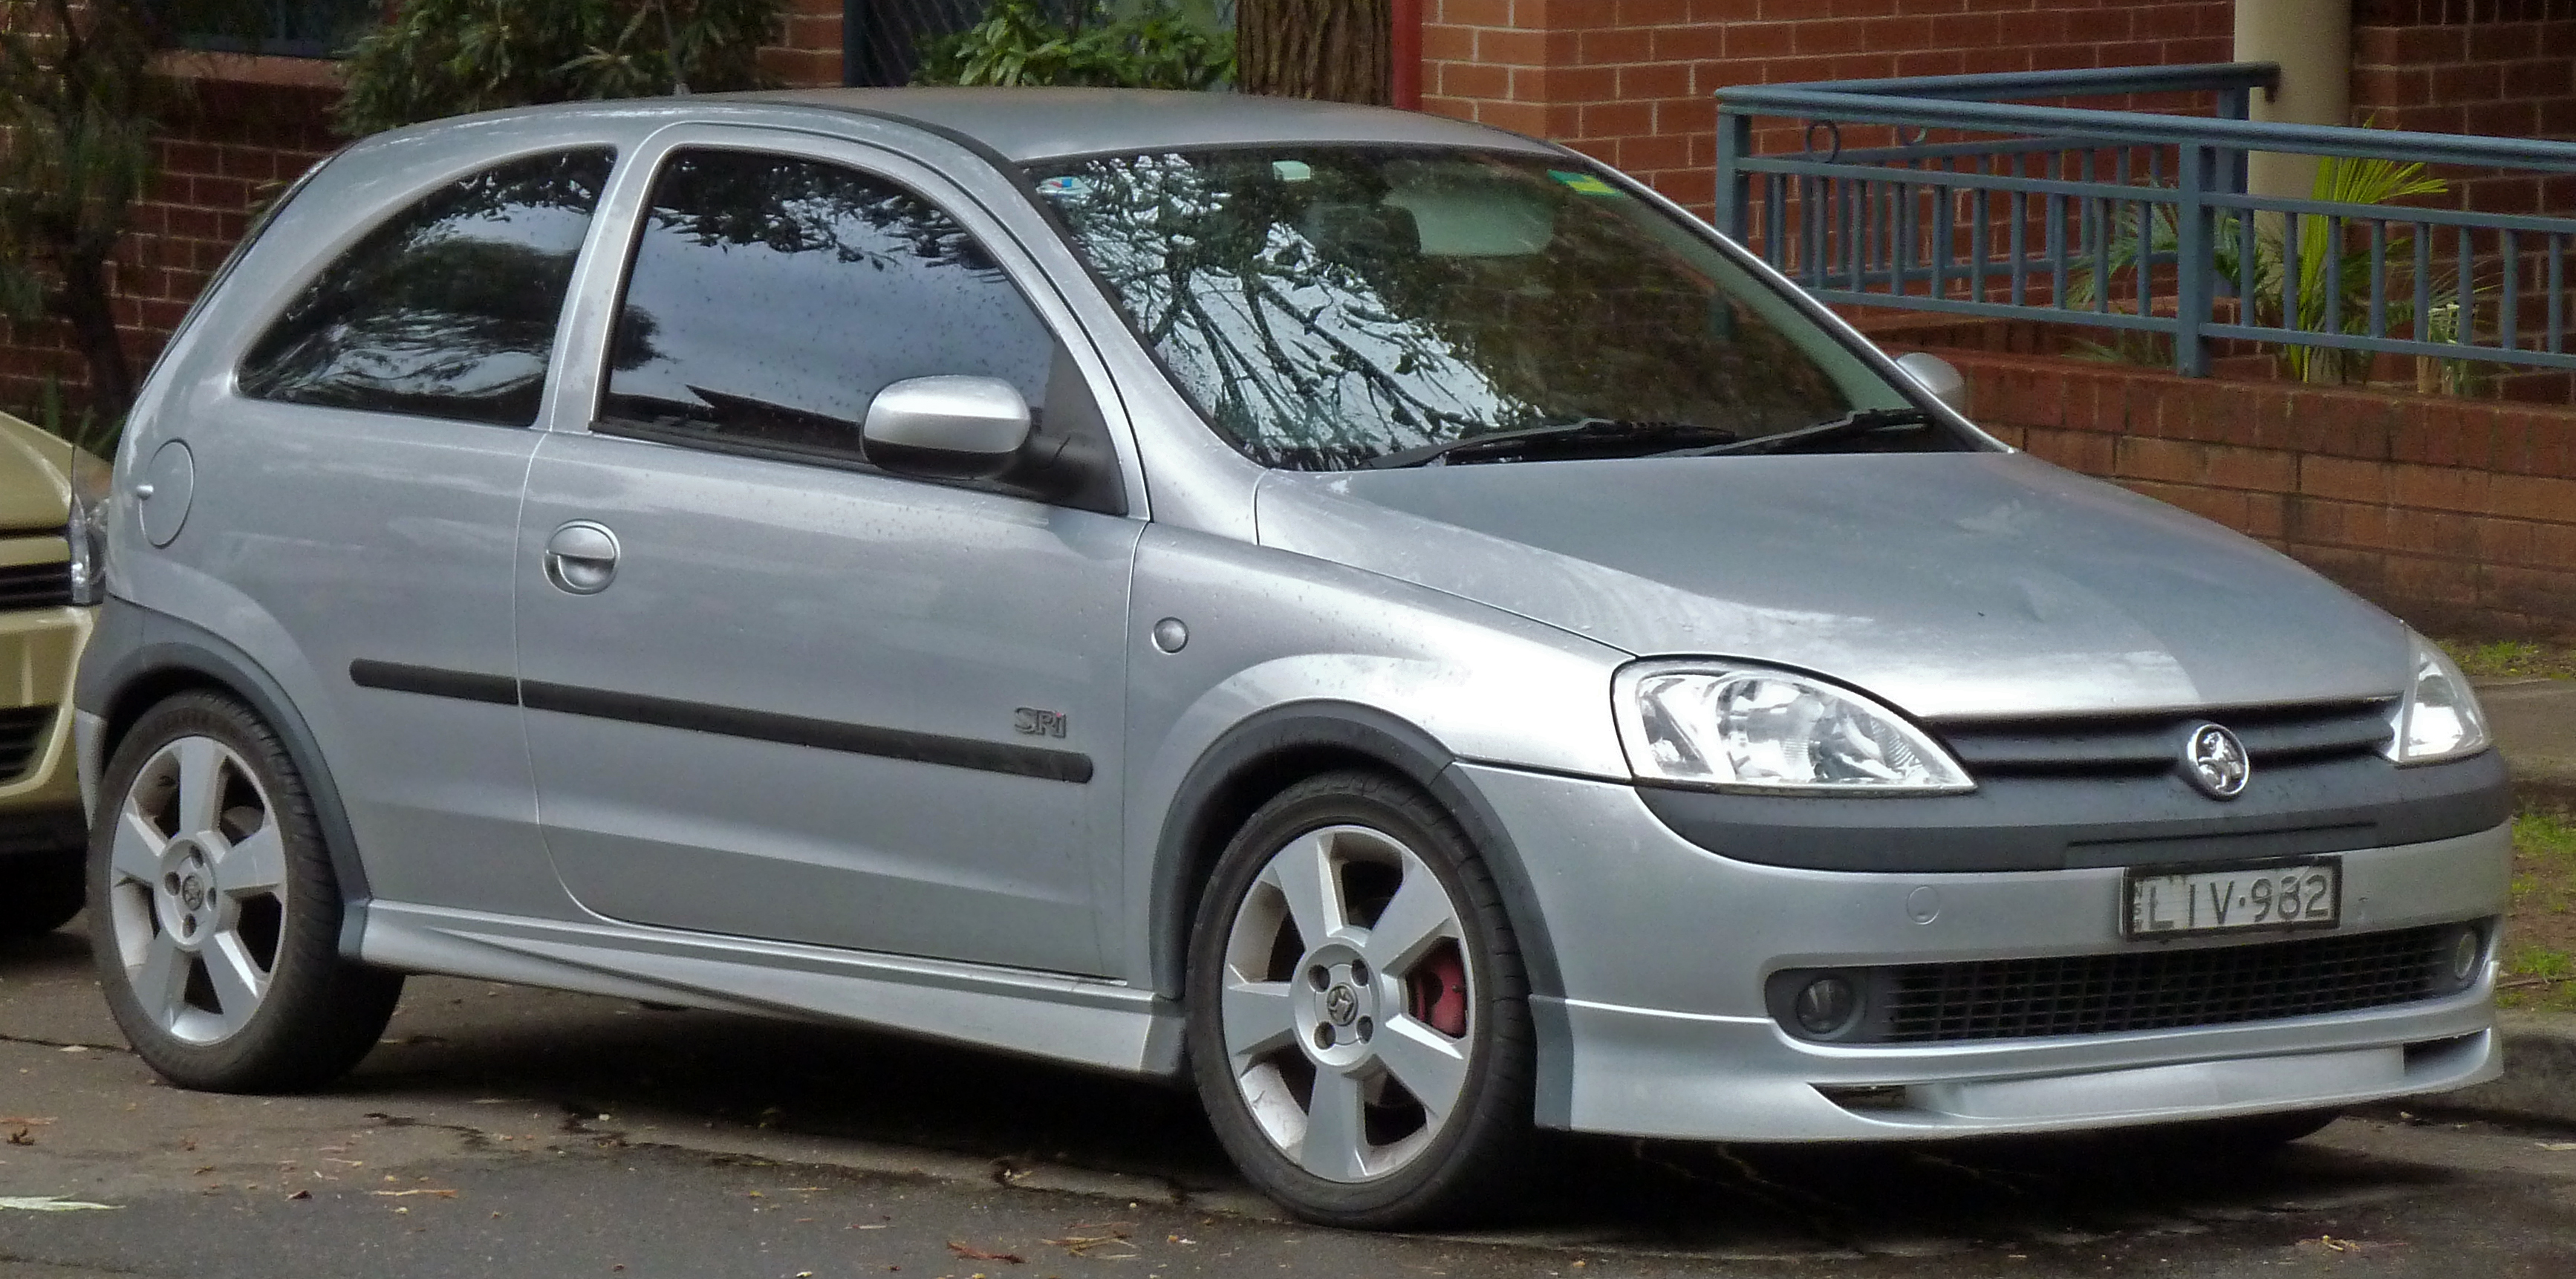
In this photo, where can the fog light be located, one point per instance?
(2465, 953)
(1826, 1005)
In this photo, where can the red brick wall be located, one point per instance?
(1630, 81)
(236, 147)
(808, 52)
(2458, 515)
(2503, 67)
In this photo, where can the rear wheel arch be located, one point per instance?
(178, 658)
(1274, 750)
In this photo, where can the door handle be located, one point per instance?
(581, 558)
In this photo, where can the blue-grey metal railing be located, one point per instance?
(2141, 220)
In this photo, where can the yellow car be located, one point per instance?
(48, 587)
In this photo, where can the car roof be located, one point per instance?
(1031, 124)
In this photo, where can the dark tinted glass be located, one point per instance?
(772, 298)
(448, 310)
(1327, 306)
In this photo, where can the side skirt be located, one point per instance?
(1085, 1022)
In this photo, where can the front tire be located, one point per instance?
(39, 895)
(1359, 1025)
(214, 912)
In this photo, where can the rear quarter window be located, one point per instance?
(448, 309)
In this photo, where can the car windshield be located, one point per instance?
(1329, 308)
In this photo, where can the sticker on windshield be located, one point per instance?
(1584, 183)
(1067, 184)
(1292, 170)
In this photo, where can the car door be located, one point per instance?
(773, 690)
(357, 476)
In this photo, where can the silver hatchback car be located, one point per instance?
(1381, 618)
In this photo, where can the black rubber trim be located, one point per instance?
(821, 734)
(2069, 822)
(728, 721)
(433, 682)
(1193, 832)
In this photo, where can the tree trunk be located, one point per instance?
(1332, 50)
(84, 305)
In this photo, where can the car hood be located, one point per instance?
(1950, 584)
(35, 477)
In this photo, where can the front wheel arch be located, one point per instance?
(1279, 747)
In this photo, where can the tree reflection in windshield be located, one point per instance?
(1327, 306)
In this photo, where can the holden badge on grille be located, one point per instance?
(2215, 762)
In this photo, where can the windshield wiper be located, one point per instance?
(1549, 439)
(1856, 422)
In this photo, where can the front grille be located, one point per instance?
(2154, 742)
(2159, 989)
(36, 585)
(22, 733)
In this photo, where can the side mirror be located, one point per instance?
(952, 428)
(1938, 376)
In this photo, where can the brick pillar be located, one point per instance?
(807, 54)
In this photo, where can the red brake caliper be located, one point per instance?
(1436, 992)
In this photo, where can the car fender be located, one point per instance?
(1297, 665)
(136, 650)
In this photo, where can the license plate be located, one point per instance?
(2265, 897)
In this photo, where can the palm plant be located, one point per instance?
(2333, 286)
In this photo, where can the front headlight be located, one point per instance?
(86, 534)
(2439, 718)
(1730, 726)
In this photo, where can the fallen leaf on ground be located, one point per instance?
(25, 1121)
(22, 1137)
(973, 1253)
(49, 1203)
(398, 1194)
(1094, 1247)
(301, 1194)
(2558, 1145)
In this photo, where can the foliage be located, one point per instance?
(2509, 659)
(2333, 279)
(1154, 44)
(2540, 956)
(76, 151)
(448, 57)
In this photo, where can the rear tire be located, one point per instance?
(214, 911)
(1359, 1027)
(39, 895)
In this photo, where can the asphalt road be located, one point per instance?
(501, 1131)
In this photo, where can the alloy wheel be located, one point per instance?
(1345, 1003)
(197, 890)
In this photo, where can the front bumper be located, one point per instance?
(40, 806)
(1661, 1028)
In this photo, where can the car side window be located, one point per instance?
(449, 308)
(771, 298)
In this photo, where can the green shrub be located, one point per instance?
(1155, 44)
(447, 57)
